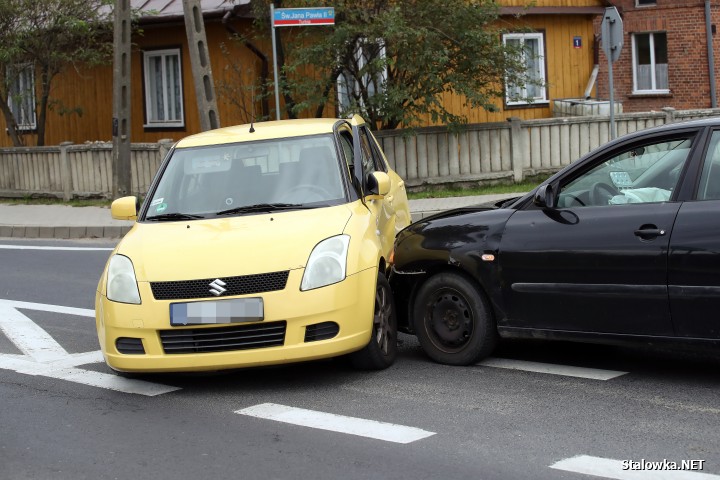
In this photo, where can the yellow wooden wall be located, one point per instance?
(91, 90)
(568, 68)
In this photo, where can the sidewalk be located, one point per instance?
(62, 221)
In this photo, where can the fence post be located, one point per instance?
(66, 171)
(669, 114)
(165, 145)
(516, 148)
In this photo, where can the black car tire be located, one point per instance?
(381, 351)
(453, 321)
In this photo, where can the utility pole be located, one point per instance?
(121, 175)
(200, 63)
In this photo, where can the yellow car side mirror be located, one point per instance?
(124, 208)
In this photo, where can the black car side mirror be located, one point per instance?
(545, 196)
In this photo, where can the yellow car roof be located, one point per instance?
(263, 131)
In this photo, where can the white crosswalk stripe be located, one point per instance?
(44, 356)
(388, 432)
(551, 369)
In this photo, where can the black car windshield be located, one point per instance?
(249, 177)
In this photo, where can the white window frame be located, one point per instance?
(24, 75)
(543, 99)
(148, 55)
(342, 87)
(648, 4)
(653, 78)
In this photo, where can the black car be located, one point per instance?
(622, 245)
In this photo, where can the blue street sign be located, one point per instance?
(287, 17)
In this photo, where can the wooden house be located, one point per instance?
(163, 105)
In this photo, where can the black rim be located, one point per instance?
(381, 319)
(449, 320)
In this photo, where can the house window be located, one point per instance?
(650, 63)
(163, 89)
(532, 46)
(643, 3)
(359, 74)
(21, 95)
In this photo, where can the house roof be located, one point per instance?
(154, 11)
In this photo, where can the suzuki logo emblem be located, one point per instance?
(217, 287)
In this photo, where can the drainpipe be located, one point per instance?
(264, 69)
(711, 53)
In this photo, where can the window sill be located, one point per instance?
(658, 94)
(24, 129)
(173, 127)
(538, 104)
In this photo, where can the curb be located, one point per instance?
(74, 232)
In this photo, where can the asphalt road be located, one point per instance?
(584, 408)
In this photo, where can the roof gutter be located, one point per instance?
(242, 11)
(552, 10)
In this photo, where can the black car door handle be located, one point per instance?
(648, 232)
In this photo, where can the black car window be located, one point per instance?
(347, 147)
(710, 177)
(380, 164)
(639, 174)
(368, 162)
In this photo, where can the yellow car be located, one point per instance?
(257, 245)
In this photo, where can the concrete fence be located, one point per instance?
(482, 152)
(74, 171)
(512, 150)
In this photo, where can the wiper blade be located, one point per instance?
(173, 216)
(264, 207)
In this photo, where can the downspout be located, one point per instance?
(596, 67)
(711, 53)
(264, 69)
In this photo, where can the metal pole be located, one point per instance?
(612, 100)
(606, 25)
(275, 65)
(711, 54)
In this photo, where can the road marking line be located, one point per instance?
(565, 370)
(113, 382)
(608, 468)
(38, 247)
(28, 337)
(46, 357)
(388, 432)
(85, 377)
(81, 312)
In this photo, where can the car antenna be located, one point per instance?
(252, 118)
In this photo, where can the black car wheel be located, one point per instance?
(380, 353)
(453, 321)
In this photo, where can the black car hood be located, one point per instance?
(459, 211)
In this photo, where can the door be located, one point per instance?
(598, 262)
(694, 264)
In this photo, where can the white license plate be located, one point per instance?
(236, 310)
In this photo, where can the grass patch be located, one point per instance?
(76, 202)
(445, 191)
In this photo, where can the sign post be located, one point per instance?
(612, 43)
(295, 17)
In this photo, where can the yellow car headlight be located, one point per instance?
(327, 263)
(121, 281)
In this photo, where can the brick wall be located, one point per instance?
(688, 73)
